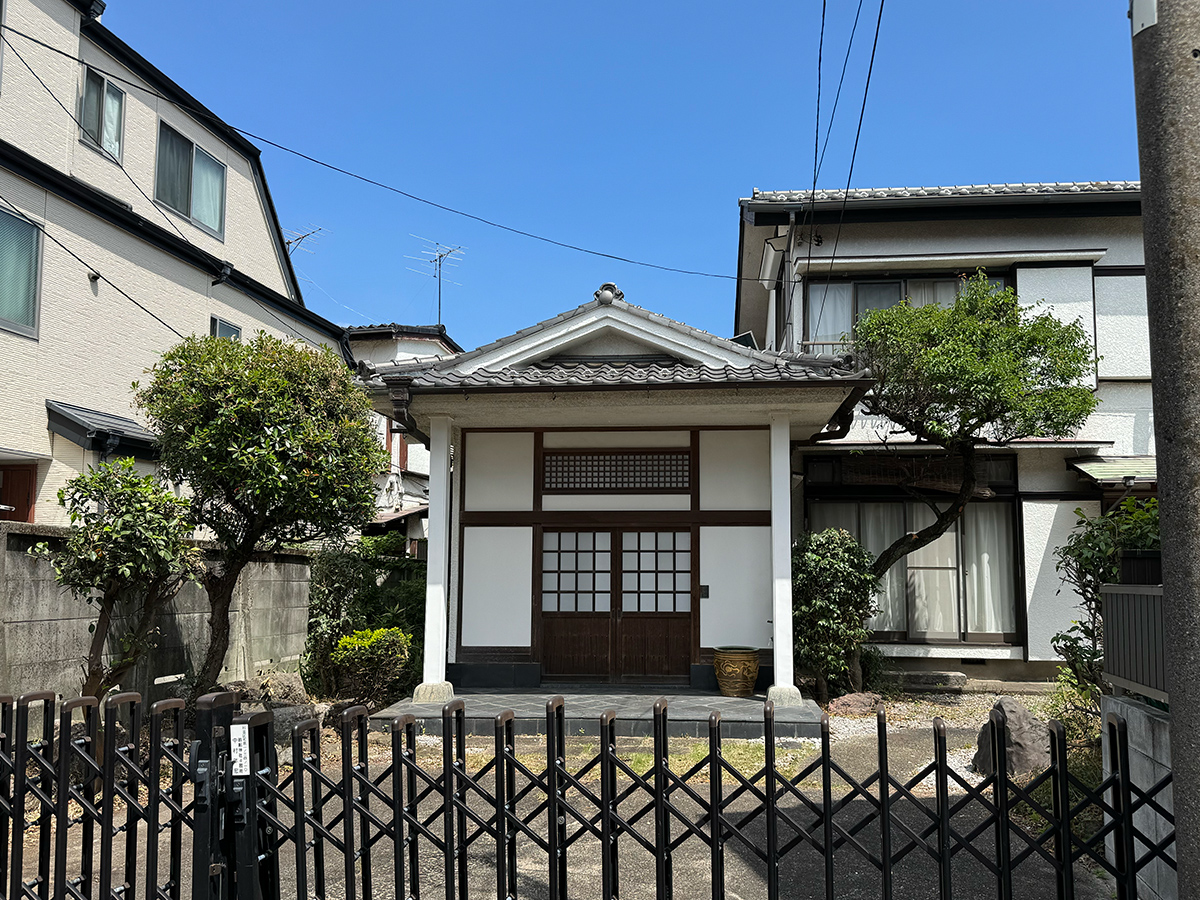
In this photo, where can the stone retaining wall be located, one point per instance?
(44, 628)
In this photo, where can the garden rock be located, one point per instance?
(1026, 741)
(864, 703)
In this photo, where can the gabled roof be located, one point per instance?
(645, 349)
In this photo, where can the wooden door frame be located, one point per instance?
(32, 469)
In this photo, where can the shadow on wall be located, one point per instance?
(1051, 606)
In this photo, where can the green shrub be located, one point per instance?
(364, 584)
(833, 593)
(1090, 558)
(370, 665)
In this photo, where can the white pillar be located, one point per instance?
(434, 688)
(784, 691)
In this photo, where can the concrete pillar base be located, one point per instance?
(785, 695)
(433, 692)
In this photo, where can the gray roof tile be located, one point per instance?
(1054, 188)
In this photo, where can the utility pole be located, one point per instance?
(1166, 69)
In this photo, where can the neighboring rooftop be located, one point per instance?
(391, 330)
(1056, 190)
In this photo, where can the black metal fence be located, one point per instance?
(1135, 655)
(102, 813)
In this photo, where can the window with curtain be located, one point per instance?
(18, 274)
(220, 328)
(960, 587)
(103, 113)
(189, 180)
(832, 308)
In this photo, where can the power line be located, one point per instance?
(132, 181)
(850, 174)
(380, 184)
(838, 95)
(120, 165)
(91, 269)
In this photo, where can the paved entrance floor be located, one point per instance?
(687, 711)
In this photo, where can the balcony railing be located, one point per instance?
(834, 348)
(1135, 658)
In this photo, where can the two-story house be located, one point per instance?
(130, 216)
(985, 597)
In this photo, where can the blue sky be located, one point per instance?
(629, 128)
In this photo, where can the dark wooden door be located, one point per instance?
(654, 621)
(576, 603)
(617, 605)
(18, 490)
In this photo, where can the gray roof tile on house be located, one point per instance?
(761, 366)
(1063, 189)
(618, 374)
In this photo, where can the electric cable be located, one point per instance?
(850, 174)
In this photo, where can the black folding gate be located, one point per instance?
(95, 806)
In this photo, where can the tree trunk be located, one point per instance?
(821, 688)
(906, 544)
(854, 663)
(94, 669)
(219, 587)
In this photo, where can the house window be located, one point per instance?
(18, 275)
(103, 113)
(832, 308)
(222, 329)
(189, 180)
(960, 587)
(658, 471)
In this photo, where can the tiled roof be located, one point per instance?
(617, 374)
(759, 366)
(1054, 188)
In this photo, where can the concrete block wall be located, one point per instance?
(44, 628)
(1149, 732)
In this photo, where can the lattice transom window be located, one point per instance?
(662, 471)
(576, 571)
(656, 571)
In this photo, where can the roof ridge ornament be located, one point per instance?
(608, 292)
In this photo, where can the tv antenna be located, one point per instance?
(437, 256)
(298, 238)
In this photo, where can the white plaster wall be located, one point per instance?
(1046, 470)
(1122, 328)
(92, 342)
(499, 471)
(497, 587)
(735, 563)
(1125, 416)
(616, 501)
(620, 439)
(1050, 607)
(1064, 291)
(735, 470)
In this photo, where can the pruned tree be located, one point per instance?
(274, 442)
(127, 555)
(986, 370)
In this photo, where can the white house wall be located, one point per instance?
(735, 563)
(497, 581)
(89, 351)
(1122, 327)
(499, 468)
(1049, 607)
(735, 470)
(626, 440)
(632, 502)
(1125, 416)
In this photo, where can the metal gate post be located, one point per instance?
(252, 755)
(209, 763)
